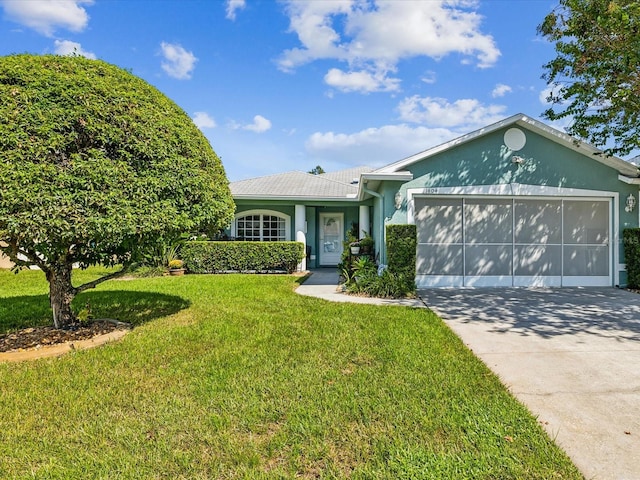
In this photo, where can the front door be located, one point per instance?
(331, 235)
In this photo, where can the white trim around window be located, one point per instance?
(268, 225)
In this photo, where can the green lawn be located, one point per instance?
(237, 376)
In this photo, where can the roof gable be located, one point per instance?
(527, 123)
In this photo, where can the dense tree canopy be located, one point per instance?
(595, 77)
(96, 164)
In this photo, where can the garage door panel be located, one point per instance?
(488, 281)
(439, 220)
(538, 221)
(586, 222)
(537, 281)
(488, 260)
(537, 260)
(586, 261)
(488, 221)
(439, 259)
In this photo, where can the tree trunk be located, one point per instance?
(61, 293)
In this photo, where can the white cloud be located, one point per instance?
(501, 90)
(465, 113)
(233, 6)
(429, 77)
(259, 125)
(68, 48)
(312, 22)
(377, 35)
(179, 63)
(361, 81)
(45, 16)
(377, 146)
(203, 120)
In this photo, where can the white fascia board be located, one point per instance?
(629, 180)
(376, 178)
(392, 176)
(348, 197)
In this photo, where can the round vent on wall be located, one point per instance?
(514, 139)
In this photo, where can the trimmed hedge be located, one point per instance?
(401, 255)
(631, 241)
(260, 257)
(401, 248)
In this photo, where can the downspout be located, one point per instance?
(381, 197)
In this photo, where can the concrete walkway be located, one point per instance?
(571, 355)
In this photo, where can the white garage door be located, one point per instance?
(513, 242)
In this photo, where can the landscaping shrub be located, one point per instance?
(391, 285)
(401, 248)
(218, 257)
(401, 255)
(631, 241)
(398, 279)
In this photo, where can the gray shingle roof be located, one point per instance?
(348, 175)
(295, 184)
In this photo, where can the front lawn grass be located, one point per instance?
(236, 376)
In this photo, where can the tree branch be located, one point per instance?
(100, 280)
(32, 256)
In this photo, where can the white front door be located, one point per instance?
(331, 235)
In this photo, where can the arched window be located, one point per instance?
(261, 226)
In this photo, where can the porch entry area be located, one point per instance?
(513, 241)
(330, 235)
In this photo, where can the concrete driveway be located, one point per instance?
(571, 355)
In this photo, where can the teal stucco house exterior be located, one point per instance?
(516, 203)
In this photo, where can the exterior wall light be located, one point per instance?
(397, 200)
(630, 203)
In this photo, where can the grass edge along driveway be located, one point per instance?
(236, 376)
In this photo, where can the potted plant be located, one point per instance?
(366, 244)
(351, 244)
(176, 267)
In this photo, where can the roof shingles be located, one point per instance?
(336, 185)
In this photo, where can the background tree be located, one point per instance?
(317, 170)
(595, 77)
(95, 165)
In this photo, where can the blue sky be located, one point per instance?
(288, 85)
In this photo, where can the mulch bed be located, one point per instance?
(36, 337)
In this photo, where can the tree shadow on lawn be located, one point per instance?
(131, 307)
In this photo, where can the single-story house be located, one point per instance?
(516, 203)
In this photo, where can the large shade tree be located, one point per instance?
(595, 77)
(95, 166)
